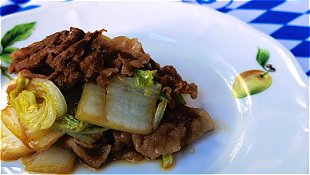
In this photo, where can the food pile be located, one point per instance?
(87, 97)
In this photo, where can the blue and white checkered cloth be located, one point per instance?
(287, 21)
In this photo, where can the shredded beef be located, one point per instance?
(179, 128)
(91, 65)
(26, 52)
(69, 77)
(68, 57)
(123, 148)
(130, 46)
(198, 122)
(165, 140)
(93, 157)
(169, 77)
(128, 154)
(74, 56)
(121, 139)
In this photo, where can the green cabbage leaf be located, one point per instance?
(144, 78)
(83, 131)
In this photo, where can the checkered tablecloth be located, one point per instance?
(285, 20)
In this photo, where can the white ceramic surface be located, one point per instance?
(264, 133)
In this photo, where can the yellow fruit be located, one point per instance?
(250, 82)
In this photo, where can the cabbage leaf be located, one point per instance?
(21, 83)
(120, 106)
(167, 161)
(144, 78)
(160, 111)
(78, 129)
(68, 123)
(38, 102)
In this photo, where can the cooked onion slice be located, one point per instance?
(45, 139)
(10, 119)
(11, 146)
(53, 160)
(38, 141)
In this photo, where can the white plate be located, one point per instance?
(263, 133)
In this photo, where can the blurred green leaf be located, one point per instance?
(18, 33)
(262, 57)
(6, 58)
(9, 50)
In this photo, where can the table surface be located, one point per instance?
(286, 21)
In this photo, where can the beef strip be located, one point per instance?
(123, 148)
(169, 77)
(198, 122)
(179, 128)
(130, 46)
(91, 65)
(93, 157)
(165, 140)
(74, 35)
(121, 139)
(26, 52)
(128, 154)
(69, 77)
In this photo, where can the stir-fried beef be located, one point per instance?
(173, 84)
(130, 47)
(128, 154)
(166, 139)
(70, 57)
(31, 50)
(93, 157)
(198, 122)
(179, 128)
(123, 148)
(121, 139)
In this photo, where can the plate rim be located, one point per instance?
(296, 65)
